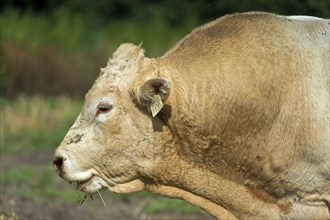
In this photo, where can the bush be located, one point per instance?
(62, 53)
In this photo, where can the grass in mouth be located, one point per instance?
(83, 196)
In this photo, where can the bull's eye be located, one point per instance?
(103, 108)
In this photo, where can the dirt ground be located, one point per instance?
(15, 206)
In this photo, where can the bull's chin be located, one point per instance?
(95, 183)
(91, 185)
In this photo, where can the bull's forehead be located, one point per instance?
(113, 78)
(104, 85)
(100, 91)
(126, 62)
(116, 77)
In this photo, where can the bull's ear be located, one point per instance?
(154, 93)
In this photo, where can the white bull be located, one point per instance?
(233, 119)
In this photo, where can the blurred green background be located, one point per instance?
(51, 52)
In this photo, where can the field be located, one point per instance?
(32, 127)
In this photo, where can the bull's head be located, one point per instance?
(115, 140)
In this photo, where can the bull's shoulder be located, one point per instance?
(231, 27)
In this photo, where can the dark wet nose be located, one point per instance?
(58, 163)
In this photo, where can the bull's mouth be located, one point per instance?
(82, 184)
(91, 185)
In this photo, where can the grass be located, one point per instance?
(9, 216)
(157, 204)
(174, 205)
(37, 184)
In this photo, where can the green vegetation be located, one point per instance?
(72, 33)
(156, 204)
(35, 32)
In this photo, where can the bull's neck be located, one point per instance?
(180, 178)
(186, 169)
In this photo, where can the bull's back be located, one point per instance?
(249, 34)
(256, 58)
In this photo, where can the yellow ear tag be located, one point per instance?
(156, 105)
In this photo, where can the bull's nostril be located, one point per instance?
(58, 161)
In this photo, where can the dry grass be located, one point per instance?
(35, 113)
(11, 216)
(36, 122)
